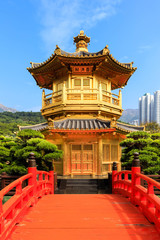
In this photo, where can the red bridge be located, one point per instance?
(34, 212)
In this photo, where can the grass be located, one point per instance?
(5, 199)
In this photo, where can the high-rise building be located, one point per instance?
(157, 107)
(149, 108)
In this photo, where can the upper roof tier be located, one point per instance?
(101, 63)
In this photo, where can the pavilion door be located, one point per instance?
(82, 159)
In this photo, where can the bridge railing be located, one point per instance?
(129, 184)
(37, 184)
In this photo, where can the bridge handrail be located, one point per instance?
(24, 197)
(122, 186)
(43, 172)
(148, 180)
(123, 172)
(14, 184)
(143, 197)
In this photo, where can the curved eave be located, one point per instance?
(123, 65)
(81, 55)
(105, 63)
(126, 128)
(36, 66)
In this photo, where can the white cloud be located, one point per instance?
(144, 48)
(60, 19)
(123, 59)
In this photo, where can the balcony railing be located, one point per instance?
(82, 96)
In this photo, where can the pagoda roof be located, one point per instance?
(83, 125)
(124, 127)
(104, 64)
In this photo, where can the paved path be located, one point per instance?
(84, 217)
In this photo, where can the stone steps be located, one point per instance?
(82, 186)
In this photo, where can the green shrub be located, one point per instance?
(148, 147)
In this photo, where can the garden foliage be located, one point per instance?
(148, 147)
(14, 152)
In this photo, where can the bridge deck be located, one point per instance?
(84, 217)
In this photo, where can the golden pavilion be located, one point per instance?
(81, 111)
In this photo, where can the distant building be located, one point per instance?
(157, 107)
(134, 122)
(149, 108)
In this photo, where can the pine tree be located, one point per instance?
(147, 145)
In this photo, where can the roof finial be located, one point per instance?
(81, 42)
(82, 32)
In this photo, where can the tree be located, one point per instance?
(14, 152)
(152, 127)
(148, 147)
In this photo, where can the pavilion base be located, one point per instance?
(83, 185)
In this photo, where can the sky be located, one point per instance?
(31, 29)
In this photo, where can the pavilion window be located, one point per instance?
(86, 83)
(76, 147)
(59, 146)
(106, 152)
(104, 86)
(114, 153)
(59, 87)
(77, 82)
(87, 147)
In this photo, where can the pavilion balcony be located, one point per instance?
(90, 99)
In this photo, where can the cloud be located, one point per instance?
(60, 19)
(144, 48)
(123, 59)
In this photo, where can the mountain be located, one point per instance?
(6, 109)
(129, 115)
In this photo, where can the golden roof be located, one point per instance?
(104, 64)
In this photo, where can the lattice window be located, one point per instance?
(106, 152)
(76, 147)
(87, 147)
(59, 146)
(77, 82)
(86, 82)
(104, 86)
(114, 153)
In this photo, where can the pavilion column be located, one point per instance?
(65, 157)
(120, 98)
(43, 98)
(100, 155)
(64, 92)
(100, 91)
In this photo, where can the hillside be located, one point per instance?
(6, 109)
(9, 121)
(129, 115)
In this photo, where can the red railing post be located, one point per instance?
(33, 180)
(114, 178)
(51, 178)
(135, 181)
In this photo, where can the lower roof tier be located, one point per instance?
(96, 125)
